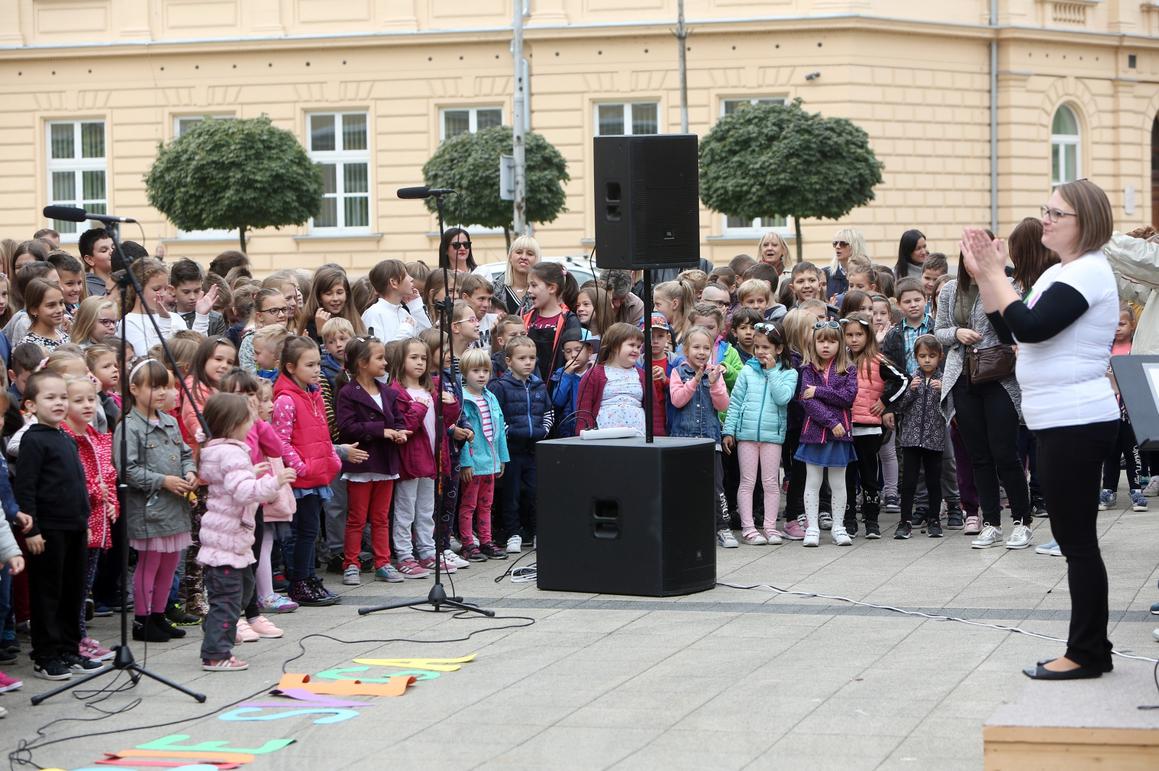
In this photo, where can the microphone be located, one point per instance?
(73, 214)
(422, 192)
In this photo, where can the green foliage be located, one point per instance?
(778, 159)
(469, 164)
(234, 174)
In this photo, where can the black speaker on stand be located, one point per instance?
(633, 516)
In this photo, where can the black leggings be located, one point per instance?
(913, 460)
(1070, 459)
(1123, 447)
(988, 424)
(864, 469)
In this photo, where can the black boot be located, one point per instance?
(144, 630)
(870, 506)
(165, 625)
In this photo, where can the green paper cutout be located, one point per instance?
(173, 742)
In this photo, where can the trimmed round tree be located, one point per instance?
(234, 175)
(768, 160)
(469, 164)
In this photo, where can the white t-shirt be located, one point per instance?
(1064, 379)
(138, 330)
(390, 322)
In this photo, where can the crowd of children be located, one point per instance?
(305, 412)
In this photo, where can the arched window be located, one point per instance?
(1064, 147)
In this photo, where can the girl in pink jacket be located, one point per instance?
(227, 528)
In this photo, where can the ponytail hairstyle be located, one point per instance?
(555, 274)
(292, 351)
(358, 353)
(775, 334)
(852, 302)
(682, 291)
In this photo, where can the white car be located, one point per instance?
(577, 266)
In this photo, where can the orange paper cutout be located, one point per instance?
(396, 687)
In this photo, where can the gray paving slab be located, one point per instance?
(730, 678)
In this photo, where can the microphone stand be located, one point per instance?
(123, 660)
(437, 597)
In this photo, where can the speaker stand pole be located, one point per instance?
(649, 394)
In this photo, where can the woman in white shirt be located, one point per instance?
(1064, 331)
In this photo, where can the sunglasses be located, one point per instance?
(827, 325)
(841, 244)
(460, 244)
(862, 322)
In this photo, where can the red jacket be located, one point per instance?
(591, 394)
(96, 456)
(300, 419)
(416, 461)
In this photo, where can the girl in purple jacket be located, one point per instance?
(828, 387)
(367, 415)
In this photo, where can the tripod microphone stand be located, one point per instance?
(123, 660)
(437, 597)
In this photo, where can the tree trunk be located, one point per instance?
(800, 246)
(507, 236)
(241, 238)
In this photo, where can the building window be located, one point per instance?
(632, 119)
(729, 106)
(339, 144)
(468, 120)
(1064, 147)
(181, 125)
(77, 169)
(737, 226)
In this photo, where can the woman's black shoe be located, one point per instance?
(144, 630)
(1040, 672)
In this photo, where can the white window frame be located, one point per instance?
(77, 165)
(757, 227)
(726, 101)
(209, 234)
(472, 116)
(1058, 145)
(339, 158)
(628, 108)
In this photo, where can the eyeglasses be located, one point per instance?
(280, 311)
(827, 325)
(1054, 215)
(840, 244)
(107, 322)
(460, 244)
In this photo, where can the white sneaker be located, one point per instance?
(990, 536)
(515, 544)
(350, 576)
(841, 536)
(454, 559)
(812, 537)
(1155, 634)
(1020, 537)
(1152, 488)
(1050, 549)
(726, 539)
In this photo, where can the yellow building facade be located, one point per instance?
(90, 87)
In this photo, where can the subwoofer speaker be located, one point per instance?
(620, 516)
(647, 202)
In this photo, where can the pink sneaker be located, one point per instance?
(232, 664)
(973, 525)
(264, 628)
(9, 683)
(793, 530)
(429, 564)
(92, 649)
(245, 633)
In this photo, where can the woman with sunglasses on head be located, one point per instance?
(1064, 331)
(509, 291)
(986, 413)
(847, 243)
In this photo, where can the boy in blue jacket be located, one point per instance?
(481, 460)
(577, 356)
(522, 396)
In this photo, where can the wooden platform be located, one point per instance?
(1085, 724)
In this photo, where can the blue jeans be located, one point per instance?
(305, 525)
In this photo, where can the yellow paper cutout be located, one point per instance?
(433, 665)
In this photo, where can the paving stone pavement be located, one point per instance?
(729, 678)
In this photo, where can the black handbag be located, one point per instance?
(987, 365)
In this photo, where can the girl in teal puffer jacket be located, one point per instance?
(755, 426)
